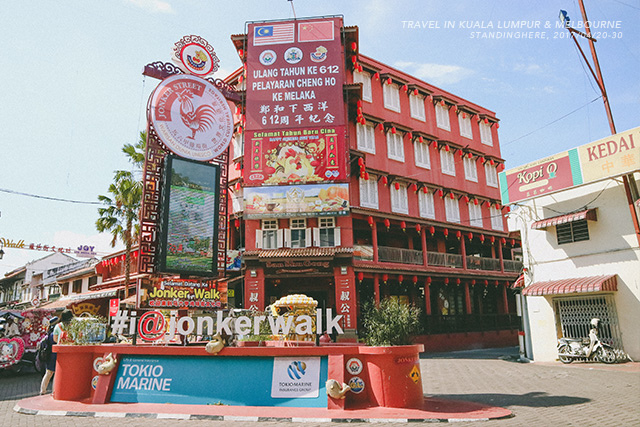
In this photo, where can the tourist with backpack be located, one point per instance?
(57, 334)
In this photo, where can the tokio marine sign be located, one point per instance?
(191, 117)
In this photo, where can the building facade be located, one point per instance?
(424, 222)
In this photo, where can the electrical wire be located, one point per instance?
(4, 190)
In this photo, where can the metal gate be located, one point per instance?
(573, 317)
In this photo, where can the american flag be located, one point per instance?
(273, 34)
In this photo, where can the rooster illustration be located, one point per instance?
(199, 119)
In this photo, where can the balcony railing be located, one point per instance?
(481, 263)
(399, 255)
(510, 265)
(444, 260)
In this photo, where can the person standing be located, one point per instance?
(58, 335)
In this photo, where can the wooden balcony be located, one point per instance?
(440, 259)
(481, 263)
(399, 255)
(510, 265)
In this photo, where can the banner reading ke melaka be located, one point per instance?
(295, 125)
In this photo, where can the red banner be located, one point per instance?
(295, 109)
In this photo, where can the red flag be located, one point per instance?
(315, 31)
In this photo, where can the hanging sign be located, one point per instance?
(191, 117)
(194, 55)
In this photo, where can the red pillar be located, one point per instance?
(505, 301)
(376, 288)
(463, 251)
(427, 298)
(467, 297)
(500, 255)
(425, 256)
(374, 240)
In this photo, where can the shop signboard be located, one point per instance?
(188, 240)
(295, 124)
(168, 293)
(605, 158)
(311, 200)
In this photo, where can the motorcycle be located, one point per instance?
(588, 349)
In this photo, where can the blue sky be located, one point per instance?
(73, 92)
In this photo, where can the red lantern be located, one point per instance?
(443, 103)
(384, 180)
(240, 79)
(354, 46)
(415, 92)
(452, 196)
(238, 186)
(361, 161)
(360, 276)
(420, 139)
(410, 135)
(466, 199)
(354, 59)
(428, 279)
(503, 241)
(403, 225)
(461, 153)
(376, 76)
(236, 223)
(513, 242)
(455, 108)
(405, 88)
(493, 239)
(418, 228)
(470, 155)
(486, 121)
(359, 68)
(486, 282)
(389, 81)
(396, 185)
(387, 223)
(393, 130)
(446, 148)
(473, 282)
(470, 236)
(414, 279)
(475, 202)
(445, 232)
(446, 281)
(414, 187)
(359, 103)
(497, 125)
(481, 159)
(366, 176)
(400, 278)
(381, 127)
(425, 190)
(457, 281)
(500, 167)
(370, 221)
(432, 230)
(362, 174)
(492, 162)
(385, 277)
(482, 238)
(458, 234)
(440, 193)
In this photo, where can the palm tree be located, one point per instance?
(120, 214)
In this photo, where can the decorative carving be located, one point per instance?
(335, 390)
(215, 345)
(107, 366)
(161, 70)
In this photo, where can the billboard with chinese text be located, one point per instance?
(167, 293)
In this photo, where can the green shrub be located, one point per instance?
(87, 330)
(391, 323)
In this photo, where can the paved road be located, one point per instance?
(538, 394)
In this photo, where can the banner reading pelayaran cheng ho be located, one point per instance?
(182, 293)
(295, 122)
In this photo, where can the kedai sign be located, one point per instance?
(609, 157)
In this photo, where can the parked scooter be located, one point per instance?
(588, 349)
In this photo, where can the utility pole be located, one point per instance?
(630, 187)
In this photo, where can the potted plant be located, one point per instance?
(390, 323)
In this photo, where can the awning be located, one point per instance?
(519, 283)
(65, 301)
(572, 286)
(589, 214)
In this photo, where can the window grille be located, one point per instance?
(574, 314)
(575, 231)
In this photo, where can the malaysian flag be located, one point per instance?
(273, 34)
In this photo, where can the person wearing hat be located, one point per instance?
(57, 336)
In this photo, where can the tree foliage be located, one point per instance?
(390, 323)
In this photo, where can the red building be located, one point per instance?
(424, 222)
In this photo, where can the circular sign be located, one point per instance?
(35, 301)
(268, 57)
(191, 117)
(293, 55)
(196, 56)
(356, 384)
(354, 366)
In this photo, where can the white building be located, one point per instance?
(580, 250)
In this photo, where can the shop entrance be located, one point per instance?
(319, 288)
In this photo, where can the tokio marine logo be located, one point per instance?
(296, 370)
(191, 117)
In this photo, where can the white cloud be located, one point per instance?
(156, 6)
(438, 74)
(528, 68)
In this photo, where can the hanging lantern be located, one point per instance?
(481, 159)
(482, 238)
(500, 167)
(461, 153)
(414, 187)
(418, 228)
(393, 130)
(466, 199)
(354, 59)
(486, 282)
(464, 115)
(366, 176)
(475, 202)
(445, 232)
(387, 223)
(354, 46)
(410, 135)
(452, 196)
(470, 236)
(396, 185)
(403, 225)
(497, 125)
(360, 276)
(470, 155)
(370, 221)
(457, 281)
(240, 53)
(385, 277)
(414, 279)
(440, 192)
(458, 234)
(238, 186)
(376, 76)
(503, 241)
(486, 121)
(405, 88)
(446, 148)
(443, 103)
(497, 205)
(240, 79)
(432, 230)
(473, 282)
(389, 81)
(428, 280)
(420, 139)
(384, 180)
(446, 281)
(492, 162)
(455, 108)
(425, 190)
(359, 103)
(381, 127)
(415, 92)
(360, 161)
(492, 239)
(400, 278)
(513, 242)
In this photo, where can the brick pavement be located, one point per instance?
(538, 394)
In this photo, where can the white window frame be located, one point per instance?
(426, 205)
(395, 146)
(238, 145)
(447, 162)
(496, 219)
(399, 201)
(422, 155)
(237, 200)
(326, 224)
(442, 117)
(416, 105)
(470, 169)
(485, 134)
(475, 215)
(464, 123)
(297, 225)
(391, 96)
(452, 209)
(365, 79)
(369, 192)
(269, 228)
(491, 173)
(366, 138)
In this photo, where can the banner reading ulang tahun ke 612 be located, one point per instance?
(295, 109)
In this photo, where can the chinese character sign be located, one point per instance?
(295, 108)
(346, 300)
